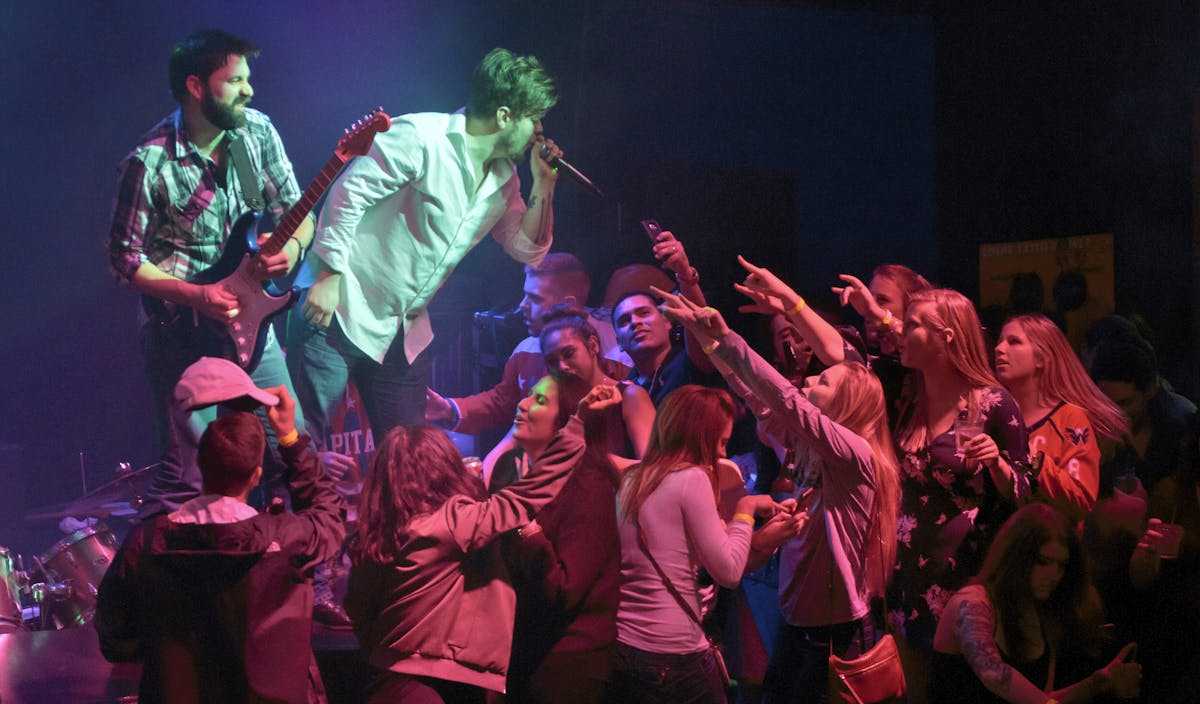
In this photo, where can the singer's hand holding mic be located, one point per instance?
(549, 152)
(546, 151)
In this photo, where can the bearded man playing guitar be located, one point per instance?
(178, 197)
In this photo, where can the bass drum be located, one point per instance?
(10, 595)
(80, 561)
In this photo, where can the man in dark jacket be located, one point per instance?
(215, 599)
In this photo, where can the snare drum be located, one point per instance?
(80, 560)
(10, 595)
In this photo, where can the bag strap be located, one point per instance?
(663, 575)
(243, 171)
(882, 578)
(829, 544)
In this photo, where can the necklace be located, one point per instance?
(653, 380)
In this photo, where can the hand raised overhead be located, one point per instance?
(704, 321)
(769, 293)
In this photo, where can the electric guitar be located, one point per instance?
(242, 339)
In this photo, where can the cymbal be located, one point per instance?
(119, 497)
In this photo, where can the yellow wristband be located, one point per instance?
(711, 347)
(744, 518)
(796, 308)
(887, 318)
(290, 439)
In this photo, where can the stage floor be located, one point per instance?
(66, 667)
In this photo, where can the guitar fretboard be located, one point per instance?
(296, 214)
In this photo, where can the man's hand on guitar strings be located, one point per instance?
(216, 302)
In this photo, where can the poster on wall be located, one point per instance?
(1069, 279)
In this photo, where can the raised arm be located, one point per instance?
(672, 255)
(771, 295)
(748, 373)
(858, 295)
(476, 523)
(318, 520)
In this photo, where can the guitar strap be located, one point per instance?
(243, 171)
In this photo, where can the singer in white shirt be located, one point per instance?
(397, 222)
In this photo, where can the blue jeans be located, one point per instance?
(323, 361)
(642, 677)
(167, 355)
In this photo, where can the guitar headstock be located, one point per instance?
(360, 135)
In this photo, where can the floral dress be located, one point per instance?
(948, 516)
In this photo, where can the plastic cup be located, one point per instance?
(965, 431)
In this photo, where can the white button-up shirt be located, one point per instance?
(400, 218)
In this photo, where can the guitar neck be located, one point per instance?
(286, 227)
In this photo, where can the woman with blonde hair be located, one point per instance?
(964, 466)
(1066, 414)
(847, 485)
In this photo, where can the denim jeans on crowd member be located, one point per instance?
(323, 361)
(799, 665)
(167, 354)
(666, 678)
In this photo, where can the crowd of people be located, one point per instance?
(1022, 521)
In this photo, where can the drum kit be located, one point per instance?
(58, 590)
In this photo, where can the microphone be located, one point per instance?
(563, 166)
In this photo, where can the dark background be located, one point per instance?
(813, 137)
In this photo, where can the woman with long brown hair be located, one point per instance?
(1066, 414)
(429, 594)
(1003, 637)
(571, 347)
(565, 565)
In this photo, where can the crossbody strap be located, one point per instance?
(663, 575)
(882, 576)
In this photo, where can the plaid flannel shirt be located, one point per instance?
(171, 210)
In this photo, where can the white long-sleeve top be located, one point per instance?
(400, 218)
(684, 533)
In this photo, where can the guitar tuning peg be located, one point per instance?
(346, 130)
